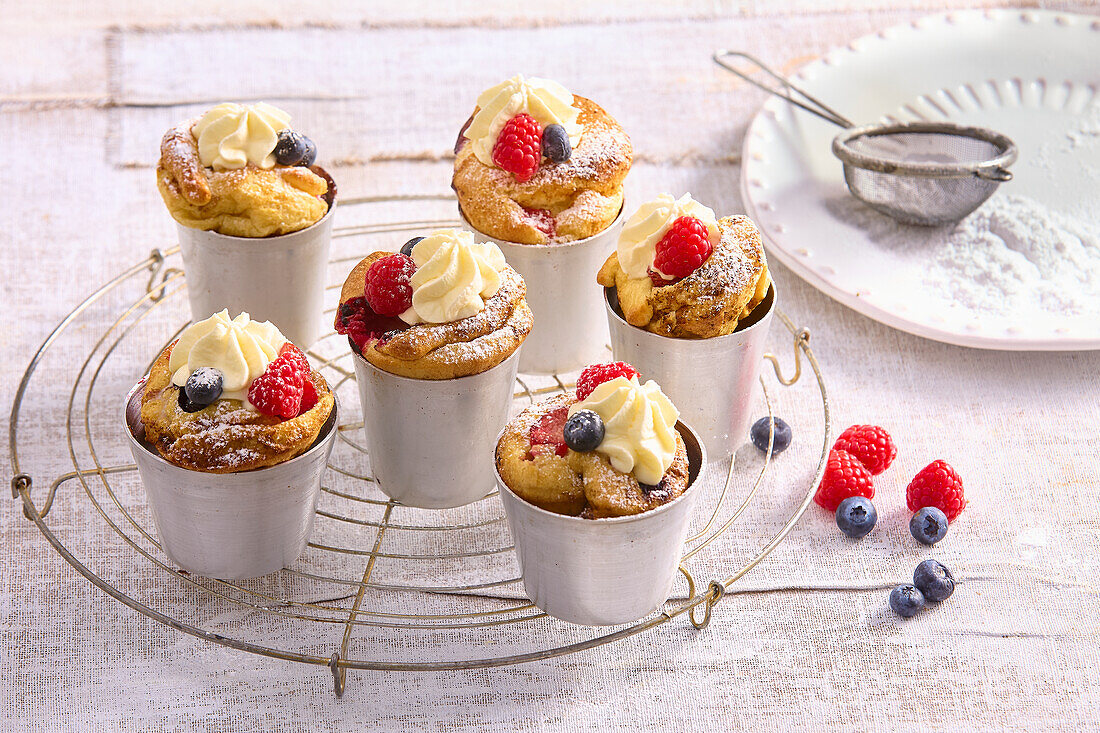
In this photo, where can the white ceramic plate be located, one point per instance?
(1032, 75)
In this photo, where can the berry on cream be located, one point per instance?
(548, 102)
(239, 348)
(637, 245)
(639, 426)
(231, 136)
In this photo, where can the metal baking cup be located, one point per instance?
(709, 380)
(431, 441)
(279, 279)
(564, 297)
(601, 572)
(231, 525)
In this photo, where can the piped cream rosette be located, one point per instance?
(239, 348)
(230, 135)
(639, 427)
(454, 277)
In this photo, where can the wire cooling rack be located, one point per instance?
(408, 586)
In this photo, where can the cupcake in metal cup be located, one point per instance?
(539, 171)
(689, 301)
(435, 332)
(596, 487)
(253, 213)
(231, 431)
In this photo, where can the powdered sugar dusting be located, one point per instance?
(1014, 254)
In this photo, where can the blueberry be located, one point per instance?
(934, 580)
(407, 250)
(309, 157)
(555, 144)
(856, 516)
(906, 600)
(187, 405)
(584, 431)
(203, 386)
(294, 148)
(759, 435)
(928, 525)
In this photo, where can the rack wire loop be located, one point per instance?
(715, 592)
(157, 290)
(339, 674)
(801, 343)
(20, 482)
(21, 488)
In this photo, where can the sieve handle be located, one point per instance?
(812, 104)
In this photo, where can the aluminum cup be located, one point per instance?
(711, 381)
(431, 441)
(600, 572)
(569, 332)
(231, 525)
(279, 279)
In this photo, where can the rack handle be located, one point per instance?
(812, 104)
(801, 342)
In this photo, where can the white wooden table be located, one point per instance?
(806, 641)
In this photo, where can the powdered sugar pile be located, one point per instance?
(1014, 255)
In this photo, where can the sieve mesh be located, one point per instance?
(923, 173)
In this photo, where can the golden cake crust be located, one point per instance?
(225, 437)
(247, 202)
(579, 484)
(584, 193)
(546, 480)
(710, 301)
(449, 350)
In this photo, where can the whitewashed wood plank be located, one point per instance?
(445, 13)
(369, 95)
(53, 66)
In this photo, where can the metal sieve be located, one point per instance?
(925, 173)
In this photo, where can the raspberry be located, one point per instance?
(685, 246)
(362, 325)
(299, 358)
(309, 396)
(543, 220)
(388, 291)
(844, 476)
(597, 374)
(550, 430)
(519, 147)
(872, 445)
(301, 364)
(938, 485)
(358, 331)
(278, 391)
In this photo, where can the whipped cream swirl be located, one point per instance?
(547, 101)
(639, 427)
(230, 136)
(637, 246)
(239, 348)
(454, 277)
